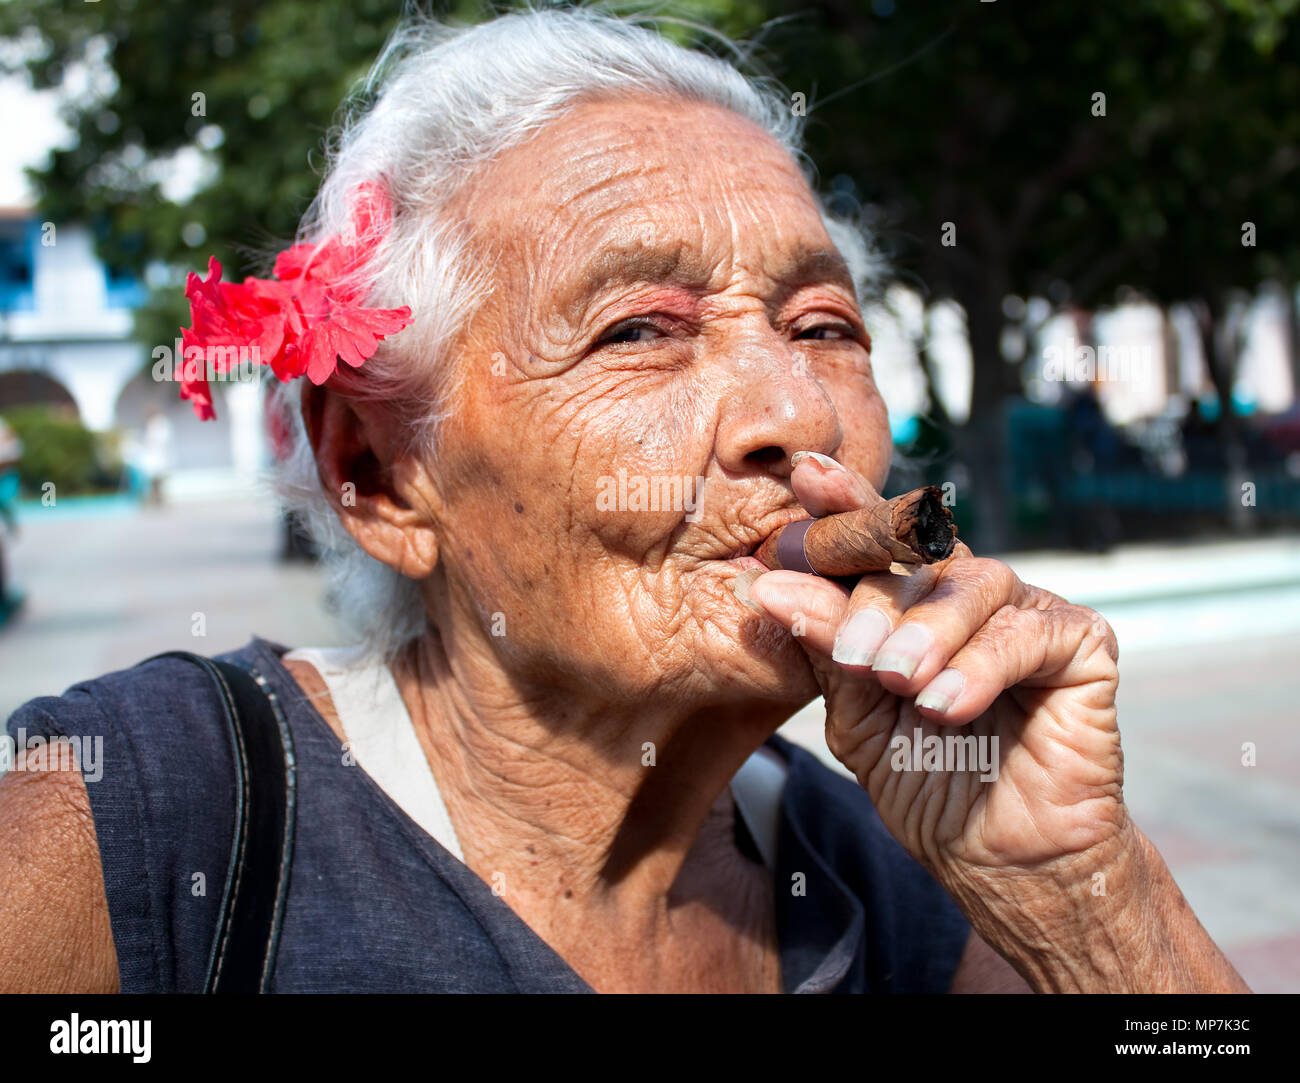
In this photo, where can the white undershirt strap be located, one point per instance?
(756, 788)
(381, 736)
(382, 740)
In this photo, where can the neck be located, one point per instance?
(607, 805)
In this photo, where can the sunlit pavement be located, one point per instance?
(1210, 659)
(105, 590)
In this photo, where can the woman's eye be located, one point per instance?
(828, 331)
(630, 331)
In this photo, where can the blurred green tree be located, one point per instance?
(58, 449)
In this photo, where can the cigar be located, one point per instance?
(912, 529)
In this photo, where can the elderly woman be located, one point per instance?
(551, 763)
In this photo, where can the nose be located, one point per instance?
(778, 407)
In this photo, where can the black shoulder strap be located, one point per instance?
(252, 901)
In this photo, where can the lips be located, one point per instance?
(760, 534)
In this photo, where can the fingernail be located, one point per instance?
(856, 642)
(902, 652)
(740, 587)
(824, 461)
(942, 692)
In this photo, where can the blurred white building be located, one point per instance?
(65, 336)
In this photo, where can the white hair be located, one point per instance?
(441, 101)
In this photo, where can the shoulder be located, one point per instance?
(153, 691)
(914, 934)
(154, 750)
(162, 705)
(52, 905)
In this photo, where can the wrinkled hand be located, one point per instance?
(962, 647)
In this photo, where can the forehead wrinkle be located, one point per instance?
(583, 176)
(599, 187)
(590, 167)
(691, 262)
(593, 178)
(593, 205)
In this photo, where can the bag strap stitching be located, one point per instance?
(234, 869)
(248, 715)
(290, 818)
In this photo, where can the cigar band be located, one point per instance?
(789, 548)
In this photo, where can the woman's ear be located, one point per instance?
(384, 497)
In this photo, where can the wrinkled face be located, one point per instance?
(670, 323)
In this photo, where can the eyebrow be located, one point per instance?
(625, 265)
(812, 265)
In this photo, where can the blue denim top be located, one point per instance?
(376, 904)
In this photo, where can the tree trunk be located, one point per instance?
(1220, 352)
(1170, 352)
(981, 443)
(1293, 338)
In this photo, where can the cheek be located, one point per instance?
(604, 474)
(633, 452)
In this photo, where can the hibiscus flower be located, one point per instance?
(302, 322)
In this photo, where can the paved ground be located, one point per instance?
(106, 590)
(1210, 653)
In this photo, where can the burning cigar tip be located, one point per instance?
(936, 533)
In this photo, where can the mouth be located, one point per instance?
(743, 556)
(743, 551)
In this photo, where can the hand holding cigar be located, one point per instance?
(912, 529)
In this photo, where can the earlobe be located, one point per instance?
(390, 508)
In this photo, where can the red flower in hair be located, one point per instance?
(302, 321)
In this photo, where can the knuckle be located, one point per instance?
(1091, 625)
(833, 742)
(993, 582)
(891, 594)
(999, 576)
(823, 609)
(1007, 622)
(1104, 634)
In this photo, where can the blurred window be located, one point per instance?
(18, 239)
(124, 289)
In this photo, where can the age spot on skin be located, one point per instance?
(519, 507)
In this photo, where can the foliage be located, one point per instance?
(60, 449)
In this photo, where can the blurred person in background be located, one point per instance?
(295, 541)
(155, 454)
(11, 453)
